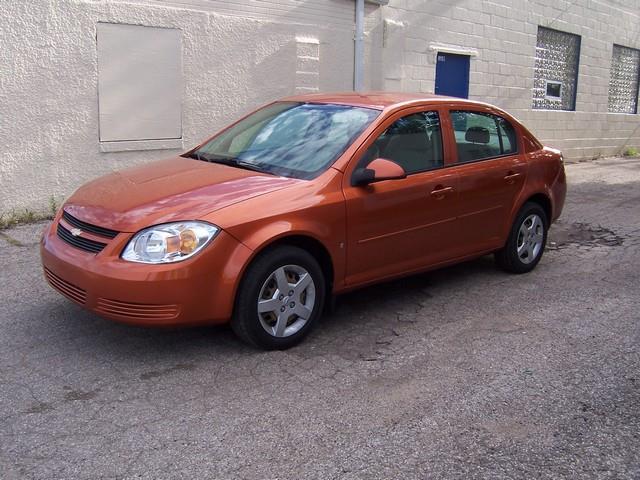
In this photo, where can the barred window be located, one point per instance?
(623, 85)
(556, 70)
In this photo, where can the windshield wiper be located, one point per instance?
(235, 162)
(194, 154)
(231, 161)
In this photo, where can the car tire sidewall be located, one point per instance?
(510, 259)
(245, 321)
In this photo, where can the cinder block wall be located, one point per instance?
(503, 35)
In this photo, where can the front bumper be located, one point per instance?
(197, 291)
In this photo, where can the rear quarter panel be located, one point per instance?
(546, 176)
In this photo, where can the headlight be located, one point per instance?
(171, 242)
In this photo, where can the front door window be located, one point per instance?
(414, 142)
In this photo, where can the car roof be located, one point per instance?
(378, 100)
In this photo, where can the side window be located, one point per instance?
(509, 143)
(482, 135)
(413, 142)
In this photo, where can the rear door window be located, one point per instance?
(482, 135)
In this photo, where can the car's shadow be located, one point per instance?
(357, 315)
(375, 315)
(405, 289)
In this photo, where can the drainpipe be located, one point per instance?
(358, 61)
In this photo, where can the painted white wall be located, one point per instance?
(238, 54)
(232, 61)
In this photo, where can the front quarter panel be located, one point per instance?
(313, 209)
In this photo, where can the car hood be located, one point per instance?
(168, 190)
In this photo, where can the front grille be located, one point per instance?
(69, 290)
(87, 227)
(137, 310)
(80, 242)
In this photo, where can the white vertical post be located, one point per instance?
(358, 69)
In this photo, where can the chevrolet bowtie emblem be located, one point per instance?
(76, 232)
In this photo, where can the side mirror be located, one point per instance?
(378, 170)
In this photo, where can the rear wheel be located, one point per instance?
(280, 299)
(526, 242)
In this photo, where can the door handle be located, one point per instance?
(511, 177)
(439, 192)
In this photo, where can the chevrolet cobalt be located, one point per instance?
(303, 199)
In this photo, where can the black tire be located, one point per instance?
(246, 322)
(508, 258)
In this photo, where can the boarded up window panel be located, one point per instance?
(557, 60)
(139, 82)
(623, 85)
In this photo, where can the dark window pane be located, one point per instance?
(508, 136)
(554, 89)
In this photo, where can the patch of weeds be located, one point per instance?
(630, 152)
(16, 217)
(53, 205)
(10, 240)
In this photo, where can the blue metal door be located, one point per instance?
(452, 75)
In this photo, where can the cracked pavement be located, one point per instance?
(465, 372)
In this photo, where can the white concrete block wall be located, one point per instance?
(504, 34)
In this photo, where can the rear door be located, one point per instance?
(491, 171)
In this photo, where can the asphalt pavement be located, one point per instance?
(465, 372)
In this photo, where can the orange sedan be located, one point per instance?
(303, 199)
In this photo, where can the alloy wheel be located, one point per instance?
(286, 300)
(530, 238)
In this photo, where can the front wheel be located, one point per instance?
(526, 242)
(280, 299)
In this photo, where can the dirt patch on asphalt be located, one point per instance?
(582, 234)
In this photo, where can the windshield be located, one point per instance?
(299, 140)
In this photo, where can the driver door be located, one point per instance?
(402, 225)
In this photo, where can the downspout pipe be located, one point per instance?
(358, 61)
